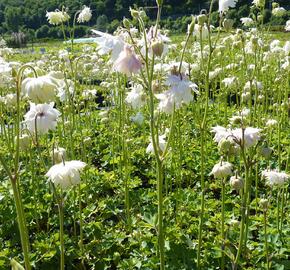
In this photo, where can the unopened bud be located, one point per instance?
(236, 183)
(224, 145)
(159, 2)
(201, 19)
(134, 13)
(190, 27)
(126, 23)
(157, 47)
(264, 203)
(228, 24)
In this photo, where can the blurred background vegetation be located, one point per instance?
(25, 20)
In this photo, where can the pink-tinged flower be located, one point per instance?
(127, 62)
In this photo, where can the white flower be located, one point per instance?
(40, 90)
(230, 81)
(224, 5)
(179, 93)
(57, 17)
(85, 15)
(259, 3)
(271, 123)
(138, 118)
(127, 62)
(162, 144)
(44, 115)
(275, 177)
(287, 26)
(109, 44)
(247, 21)
(89, 94)
(222, 169)
(58, 154)
(66, 174)
(286, 47)
(136, 97)
(24, 142)
(279, 11)
(251, 135)
(10, 100)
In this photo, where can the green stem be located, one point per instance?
(266, 240)
(61, 231)
(223, 225)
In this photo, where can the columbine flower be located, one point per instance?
(279, 11)
(41, 89)
(247, 21)
(109, 44)
(85, 15)
(57, 17)
(222, 169)
(274, 177)
(179, 93)
(203, 29)
(44, 115)
(138, 118)
(224, 5)
(287, 26)
(127, 62)
(236, 182)
(66, 174)
(259, 3)
(162, 144)
(271, 123)
(230, 81)
(251, 135)
(136, 97)
(58, 154)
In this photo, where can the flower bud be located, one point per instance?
(190, 27)
(157, 47)
(224, 145)
(142, 14)
(228, 24)
(236, 183)
(201, 19)
(87, 141)
(159, 3)
(134, 13)
(126, 23)
(265, 152)
(264, 203)
(58, 154)
(275, 5)
(24, 142)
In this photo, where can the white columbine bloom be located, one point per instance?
(57, 17)
(251, 135)
(162, 144)
(222, 169)
(41, 89)
(248, 22)
(224, 5)
(109, 44)
(275, 177)
(279, 11)
(85, 15)
(136, 97)
(66, 174)
(179, 93)
(42, 116)
(138, 118)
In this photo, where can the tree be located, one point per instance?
(13, 18)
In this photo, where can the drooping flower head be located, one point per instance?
(57, 17)
(224, 5)
(128, 62)
(274, 177)
(222, 169)
(66, 174)
(85, 15)
(42, 116)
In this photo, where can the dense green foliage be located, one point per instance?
(29, 16)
